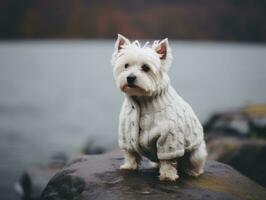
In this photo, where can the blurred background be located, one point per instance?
(58, 98)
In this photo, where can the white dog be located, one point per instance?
(155, 121)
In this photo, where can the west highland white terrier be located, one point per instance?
(155, 122)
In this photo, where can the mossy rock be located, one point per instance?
(99, 177)
(245, 155)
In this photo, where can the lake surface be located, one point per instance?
(54, 95)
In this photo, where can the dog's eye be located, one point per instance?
(145, 68)
(126, 65)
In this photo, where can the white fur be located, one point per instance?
(155, 121)
(168, 171)
(131, 161)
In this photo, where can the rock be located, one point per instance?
(245, 155)
(229, 123)
(249, 122)
(33, 180)
(99, 177)
(220, 147)
(93, 147)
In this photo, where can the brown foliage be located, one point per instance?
(183, 19)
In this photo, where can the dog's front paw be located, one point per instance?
(129, 166)
(168, 177)
(194, 173)
(168, 171)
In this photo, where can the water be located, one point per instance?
(55, 94)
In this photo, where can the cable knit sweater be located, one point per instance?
(159, 127)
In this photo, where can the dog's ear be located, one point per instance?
(163, 48)
(121, 40)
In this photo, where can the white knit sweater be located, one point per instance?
(162, 126)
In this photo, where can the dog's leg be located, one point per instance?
(168, 170)
(131, 162)
(194, 165)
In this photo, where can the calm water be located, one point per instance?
(54, 95)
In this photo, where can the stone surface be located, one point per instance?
(99, 177)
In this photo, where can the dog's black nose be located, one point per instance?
(131, 79)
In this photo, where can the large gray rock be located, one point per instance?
(245, 155)
(98, 177)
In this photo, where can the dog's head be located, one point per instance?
(140, 70)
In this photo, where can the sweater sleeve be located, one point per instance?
(170, 146)
(122, 140)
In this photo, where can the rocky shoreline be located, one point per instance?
(98, 177)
